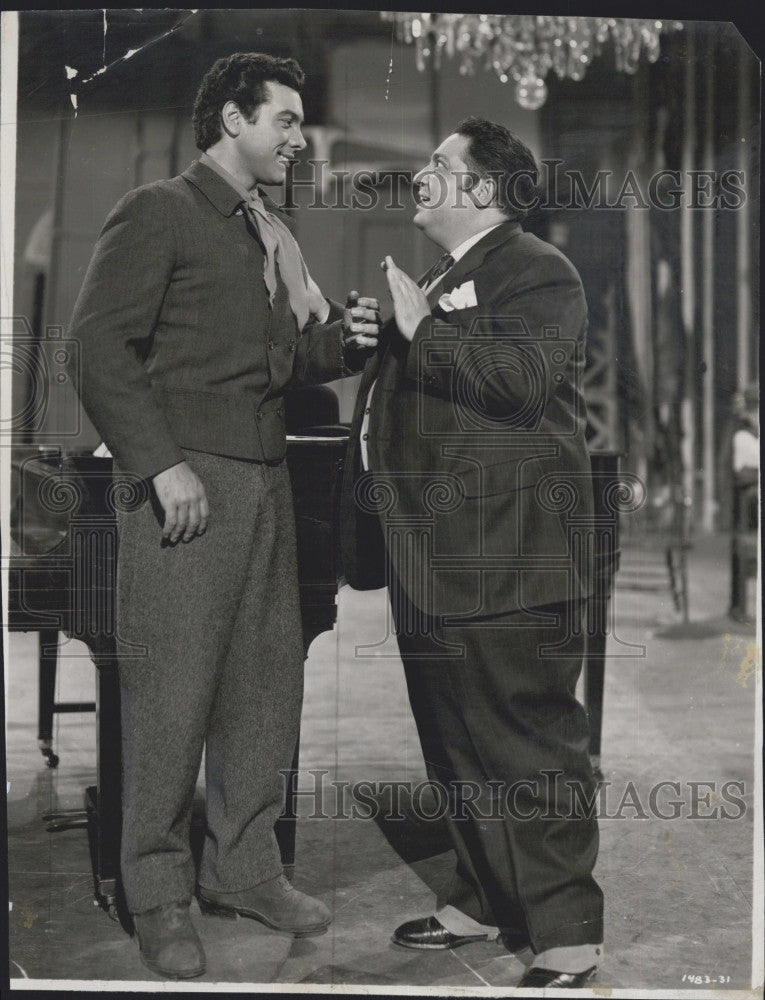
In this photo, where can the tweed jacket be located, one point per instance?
(179, 345)
(479, 487)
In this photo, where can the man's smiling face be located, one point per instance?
(269, 144)
(442, 202)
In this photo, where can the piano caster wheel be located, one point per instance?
(51, 759)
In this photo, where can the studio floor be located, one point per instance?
(680, 894)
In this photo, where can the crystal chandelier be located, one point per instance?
(525, 47)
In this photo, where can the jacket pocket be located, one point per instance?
(488, 477)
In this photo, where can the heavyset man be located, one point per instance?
(466, 471)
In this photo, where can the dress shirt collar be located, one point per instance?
(213, 164)
(471, 241)
(458, 253)
(225, 191)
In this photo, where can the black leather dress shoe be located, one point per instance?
(430, 933)
(545, 978)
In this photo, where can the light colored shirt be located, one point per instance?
(221, 171)
(281, 250)
(457, 254)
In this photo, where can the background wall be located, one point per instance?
(133, 125)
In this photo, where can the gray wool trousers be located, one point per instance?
(210, 656)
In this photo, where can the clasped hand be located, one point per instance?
(361, 323)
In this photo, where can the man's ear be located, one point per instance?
(485, 191)
(231, 118)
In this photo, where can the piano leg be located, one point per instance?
(594, 675)
(103, 801)
(47, 662)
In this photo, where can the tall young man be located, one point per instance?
(196, 312)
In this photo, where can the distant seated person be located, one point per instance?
(745, 462)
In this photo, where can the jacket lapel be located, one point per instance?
(451, 280)
(218, 192)
(473, 259)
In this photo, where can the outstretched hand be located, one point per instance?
(410, 306)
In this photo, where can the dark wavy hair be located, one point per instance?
(495, 151)
(240, 78)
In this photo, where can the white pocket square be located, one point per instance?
(459, 298)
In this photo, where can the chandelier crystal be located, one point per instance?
(524, 48)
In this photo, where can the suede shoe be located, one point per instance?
(275, 903)
(168, 943)
(428, 933)
(550, 979)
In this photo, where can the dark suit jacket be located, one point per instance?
(179, 346)
(480, 478)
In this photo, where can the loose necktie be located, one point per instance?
(283, 252)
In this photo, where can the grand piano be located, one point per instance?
(63, 568)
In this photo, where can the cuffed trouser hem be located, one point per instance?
(249, 883)
(457, 922)
(161, 898)
(186, 901)
(583, 933)
(158, 887)
(574, 958)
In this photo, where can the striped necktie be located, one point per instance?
(441, 266)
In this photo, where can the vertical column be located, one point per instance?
(688, 287)
(709, 504)
(52, 420)
(638, 233)
(743, 227)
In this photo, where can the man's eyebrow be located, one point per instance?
(292, 115)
